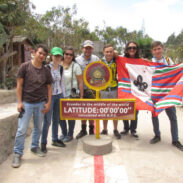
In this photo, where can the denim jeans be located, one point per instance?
(171, 113)
(66, 131)
(53, 114)
(133, 125)
(38, 116)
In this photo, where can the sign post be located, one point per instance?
(97, 76)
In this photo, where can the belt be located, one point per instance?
(111, 88)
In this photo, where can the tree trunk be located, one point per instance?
(3, 60)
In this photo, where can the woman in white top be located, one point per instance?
(73, 81)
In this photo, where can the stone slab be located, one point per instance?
(7, 96)
(94, 146)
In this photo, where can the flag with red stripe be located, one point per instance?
(153, 85)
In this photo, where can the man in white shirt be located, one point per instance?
(157, 51)
(83, 60)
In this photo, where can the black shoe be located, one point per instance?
(43, 148)
(135, 135)
(16, 161)
(58, 143)
(155, 140)
(81, 134)
(125, 132)
(104, 132)
(37, 151)
(117, 134)
(178, 145)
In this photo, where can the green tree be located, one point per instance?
(145, 47)
(13, 14)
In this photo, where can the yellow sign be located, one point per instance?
(97, 75)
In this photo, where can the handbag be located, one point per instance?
(74, 92)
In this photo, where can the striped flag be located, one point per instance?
(153, 85)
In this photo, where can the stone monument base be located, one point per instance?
(94, 146)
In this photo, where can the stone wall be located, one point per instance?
(8, 127)
(7, 96)
(8, 122)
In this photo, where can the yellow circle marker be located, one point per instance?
(97, 76)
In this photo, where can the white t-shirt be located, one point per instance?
(68, 77)
(163, 61)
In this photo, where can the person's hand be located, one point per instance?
(20, 106)
(46, 108)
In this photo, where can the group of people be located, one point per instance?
(41, 86)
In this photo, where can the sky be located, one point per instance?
(158, 18)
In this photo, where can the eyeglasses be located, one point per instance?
(68, 54)
(132, 48)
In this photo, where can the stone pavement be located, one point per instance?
(131, 161)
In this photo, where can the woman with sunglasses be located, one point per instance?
(131, 51)
(73, 81)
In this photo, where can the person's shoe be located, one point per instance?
(135, 135)
(104, 132)
(37, 151)
(178, 145)
(62, 137)
(68, 138)
(117, 134)
(43, 148)
(16, 161)
(58, 143)
(81, 134)
(155, 139)
(125, 132)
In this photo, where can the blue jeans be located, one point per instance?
(70, 131)
(171, 113)
(133, 125)
(38, 116)
(53, 114)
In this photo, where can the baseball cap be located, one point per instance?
(88, 43)
(56, 51)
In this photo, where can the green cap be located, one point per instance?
(56, 51)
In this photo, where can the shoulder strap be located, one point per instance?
(72, 76)
(61, 70)
(168, 60)
(48, 66)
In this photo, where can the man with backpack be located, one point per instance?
(157, 51)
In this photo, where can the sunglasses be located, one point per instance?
(132, 48)
(68, 54)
